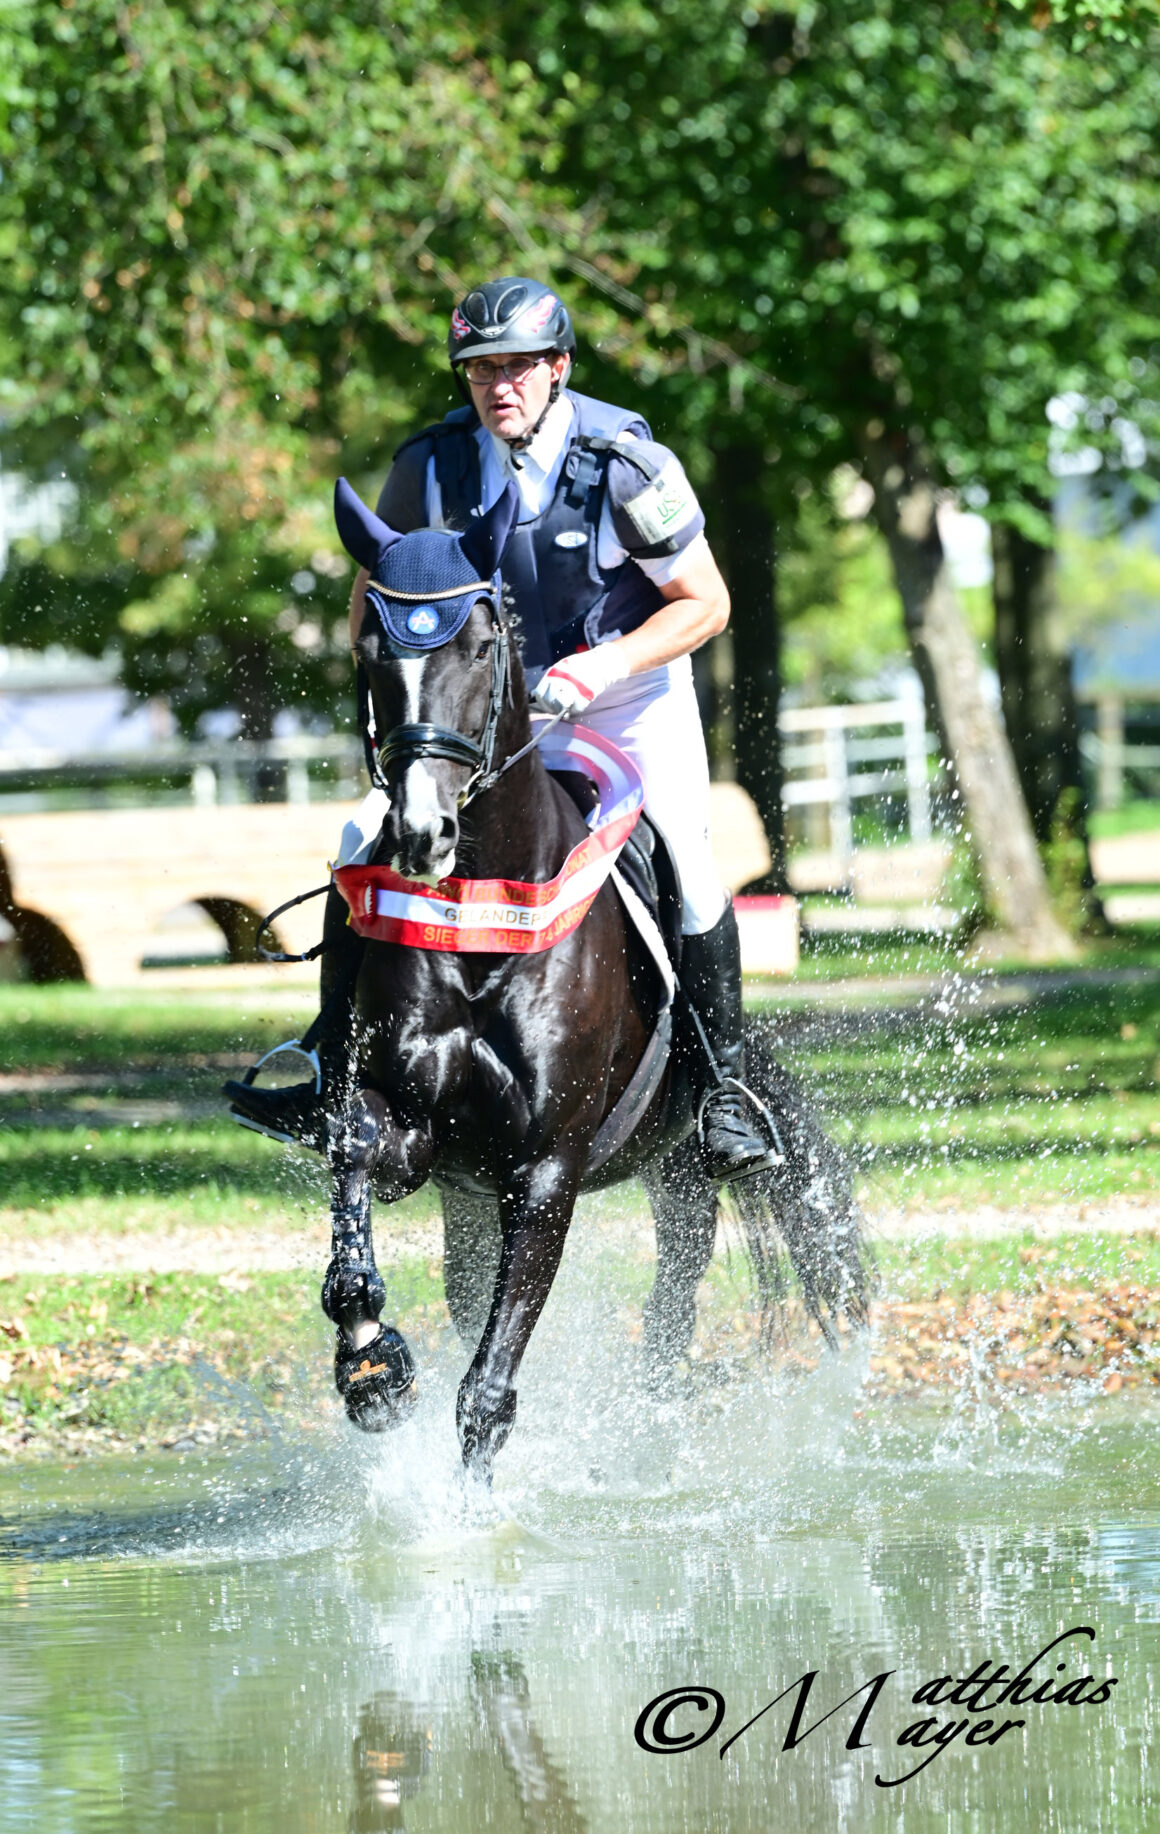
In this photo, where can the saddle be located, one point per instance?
(648, 884)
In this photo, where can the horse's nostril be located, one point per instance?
(448, 828)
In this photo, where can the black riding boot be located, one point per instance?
(299, 1112)
(731, 1144)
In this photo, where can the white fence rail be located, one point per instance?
(832, 757)
(826, 751)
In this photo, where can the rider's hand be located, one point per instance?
(571, 685)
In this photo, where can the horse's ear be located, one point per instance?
(486, 539)
(361, 532)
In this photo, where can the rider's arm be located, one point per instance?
(696, 608)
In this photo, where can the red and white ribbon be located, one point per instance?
(507, 916)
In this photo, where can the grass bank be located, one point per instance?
(112, 1135)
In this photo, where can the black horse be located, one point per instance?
(492, 1073)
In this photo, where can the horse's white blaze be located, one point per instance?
(420, 801)
(412, 668)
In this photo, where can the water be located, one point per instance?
(335, 1636)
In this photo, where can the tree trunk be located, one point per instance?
(1034, 674)
(947, 658)
(749, 566)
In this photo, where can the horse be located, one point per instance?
(492, 1073)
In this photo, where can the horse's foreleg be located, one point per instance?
(373, 1368)
(684, 1206)
(535, 1212)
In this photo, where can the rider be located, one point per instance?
(614, 585)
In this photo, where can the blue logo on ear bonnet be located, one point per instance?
(424, 589)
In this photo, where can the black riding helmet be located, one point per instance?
(506, 316)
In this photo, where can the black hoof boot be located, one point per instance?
(377, 1383)
(482, 1435)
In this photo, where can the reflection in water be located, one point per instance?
(271, 1645)
(391, 1756)
(500, 1688)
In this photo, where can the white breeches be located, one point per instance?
(655, 721)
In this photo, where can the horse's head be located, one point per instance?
(435, 650)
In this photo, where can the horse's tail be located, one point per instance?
(803, 1209)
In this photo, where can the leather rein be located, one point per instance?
(407, 744)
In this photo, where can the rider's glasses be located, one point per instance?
(481, 370)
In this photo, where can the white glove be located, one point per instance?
(572, 684)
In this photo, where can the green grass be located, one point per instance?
(1140, 817)
(891, 955)
(1015, 1263)
(151, 1354)
(1052, 1100)
(69, 1027)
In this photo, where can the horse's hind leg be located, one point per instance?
(373, 1368)
(684, 1205)
(472, 1244)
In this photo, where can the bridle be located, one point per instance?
(407, 744)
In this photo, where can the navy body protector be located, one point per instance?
(566, 601)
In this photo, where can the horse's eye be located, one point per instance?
(481, 652)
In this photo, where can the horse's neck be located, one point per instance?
(523, 827)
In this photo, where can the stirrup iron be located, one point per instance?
(309, 1056)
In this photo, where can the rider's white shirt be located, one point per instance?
(536, 477)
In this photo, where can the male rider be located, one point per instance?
(615, 585)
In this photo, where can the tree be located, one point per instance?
(917, 221)
(748, 532)
(1013, 875)
(230, 236)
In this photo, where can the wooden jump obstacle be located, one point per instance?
(85, 891)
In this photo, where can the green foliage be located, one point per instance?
(256, 282)
(838, 603)
(774, 225)
(1101, 579)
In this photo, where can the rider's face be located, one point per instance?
(510, 409)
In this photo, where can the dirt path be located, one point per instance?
(242, 1250)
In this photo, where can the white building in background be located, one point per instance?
(57, 701)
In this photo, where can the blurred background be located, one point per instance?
(885, 279)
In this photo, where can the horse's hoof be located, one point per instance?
(377, 1383)
(481, 1436)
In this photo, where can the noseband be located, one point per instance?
(404, 745)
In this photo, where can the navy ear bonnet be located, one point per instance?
(414, 589)
(423, 585)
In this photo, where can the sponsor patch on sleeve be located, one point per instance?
(665, 504)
